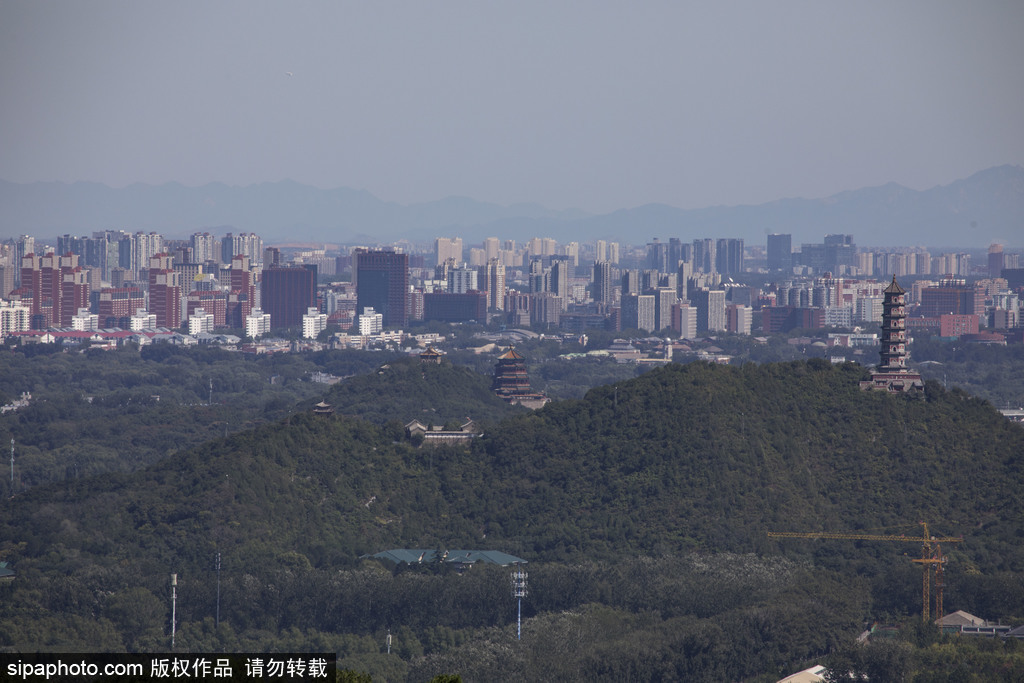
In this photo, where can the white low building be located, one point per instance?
(313, 323)
(142, 320)
(257, 324)
(370, 322)
(200, 321)
(84, 321)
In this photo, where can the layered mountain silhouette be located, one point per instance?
(985, 207)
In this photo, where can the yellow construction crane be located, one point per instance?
(931, 556)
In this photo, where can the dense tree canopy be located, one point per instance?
(642, 509)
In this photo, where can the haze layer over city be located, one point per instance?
(584, 107)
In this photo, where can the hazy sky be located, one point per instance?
(595, 105)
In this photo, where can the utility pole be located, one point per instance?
(174, 605)
(217, 623)
(519, 592)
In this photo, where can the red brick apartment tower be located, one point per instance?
(74, 290)
(31, 282)
(118, 304)
(242, 296)
(892, 374)
(164, 291)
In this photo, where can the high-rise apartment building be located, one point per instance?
(493, 276)
(539, 277)
(541, 246)
(995, 260)
(53, 288)
(729, 256)
(382, 283)
(710, 305)
(14, 317)
(638, 312)
(212, 302)
(145, 245)
(74, 289)
(684, 320)
(657, 256)
(664, 299)
(630, 282)
(164, 291)
(559, 281)
(462, 280)
(603, 286)
(953, 296)
(738, 319)
(572, 250)
(205, 247)
(246, 244)
(8, 278)
(491, 248)
(117, 305)
(704, 258)
(25, 245)
(677, 253)
(448, 248)
(288, 292)
(840, 253)
(241, 292)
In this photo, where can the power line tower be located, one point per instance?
(519, 591)
(931, 559)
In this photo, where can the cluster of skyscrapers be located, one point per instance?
(674, 287)
(141, 280)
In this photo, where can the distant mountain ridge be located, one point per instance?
(985, 207)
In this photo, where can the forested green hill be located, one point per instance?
(118, 411)
(406, 389)
(642, 507)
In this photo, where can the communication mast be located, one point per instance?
(519, 591)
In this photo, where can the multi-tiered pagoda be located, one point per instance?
(892, 374)
(511, 382)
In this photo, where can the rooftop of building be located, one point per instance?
(424, 555)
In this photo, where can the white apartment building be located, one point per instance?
(14, 318)
(257, 324)
(200, 321)
(370, 322)
(142, 320)
(84, 321)
(313, 323)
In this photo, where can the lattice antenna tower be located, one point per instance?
(519, 591)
